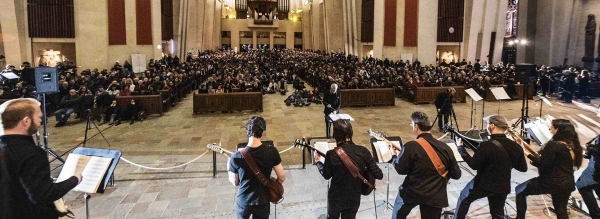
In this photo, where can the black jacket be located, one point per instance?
(345, 189)
(443, 102)
(334, 100)
(494, 164)
(26, 189)
(423, 184)
(555, 167)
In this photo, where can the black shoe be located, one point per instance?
(131, 122)
(118, 122)
(59, 124)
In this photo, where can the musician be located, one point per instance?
(252, 198)
(493, 161)
(587, 183)
(26, 187)
(332, 102)
(424, 185)
(343, 196)
(443, 103)
(555, 167)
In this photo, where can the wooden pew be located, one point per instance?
(368, 97)
(428, 94)
(227, 102)
(151, 104)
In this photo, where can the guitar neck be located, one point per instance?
(392, 144)
(314, 149)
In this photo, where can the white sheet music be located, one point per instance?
(324, 147)
(455, 151)
(384, 154)
(91, 168)
(473, 94)
(335, 117)
(499, 93)
(540, 130)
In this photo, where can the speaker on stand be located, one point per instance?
(46, 81)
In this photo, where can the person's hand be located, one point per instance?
(393, 150)
(79, 177)
(328, 105)
(316, 156)
(458, 142)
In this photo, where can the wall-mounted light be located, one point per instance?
(308, 2)
(221, 1)
(298, 10)
(517, 41)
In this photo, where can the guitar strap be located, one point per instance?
(351, 166)
(433, 156)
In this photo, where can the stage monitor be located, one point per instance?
(46, 80)
(523, 72)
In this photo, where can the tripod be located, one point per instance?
(524, 110)
(88, 113)
(45, 133)
(440, 115)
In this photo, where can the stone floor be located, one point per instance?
(191, 191)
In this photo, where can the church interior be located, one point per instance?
(166, 169)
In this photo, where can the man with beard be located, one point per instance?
(27, 190)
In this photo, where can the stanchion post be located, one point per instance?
(214, 164)
(304, 158)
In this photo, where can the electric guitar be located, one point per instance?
(219, 149)
(302, 144)
(466, 140)
(380, 136)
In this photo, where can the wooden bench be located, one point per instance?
(428, 94)
(368, 97)
(151, 104)
(228, 102)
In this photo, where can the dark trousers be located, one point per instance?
(402, 209)
(587, 193)
(257, 211)
(470, 194)
(327, 127)
(335, 211)
(533, 187)
(446, 117)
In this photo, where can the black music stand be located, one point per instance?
(109, 175)
(388, 205)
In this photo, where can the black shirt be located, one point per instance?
(250, 190)
(332, 99)
(345, 189)
(493, 164)
(423, 184)
(555, 166)
(443, 102)
(26, 189)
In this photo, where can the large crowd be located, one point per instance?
(269, 71)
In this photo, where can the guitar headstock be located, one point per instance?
(300, 143)
(377, 135)
(216, 148)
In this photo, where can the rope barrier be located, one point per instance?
(443, 136)
(164, 168)
(287, 149)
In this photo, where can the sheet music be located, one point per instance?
(500, 93)
(455, 151)
(91, 168)
(473, 94)
(384, 154)
(540, 131)
(324, 147)
(335, 117)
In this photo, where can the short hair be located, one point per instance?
(13, 111)
(497, 120)
(342, 130)
(256, 126)
(422, 120)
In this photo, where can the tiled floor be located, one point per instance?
(191, 191)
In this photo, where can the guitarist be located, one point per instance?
(493, 161)
(252, 198)
(428, 164)
(343, 197)
(26, 188)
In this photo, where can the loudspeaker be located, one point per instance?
(46, 80)
(523, 72)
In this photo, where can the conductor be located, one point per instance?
(443, 103)
(332, 103)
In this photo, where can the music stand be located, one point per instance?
(388, 205)
(474, 98)
(500, 94)
(108, 176)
